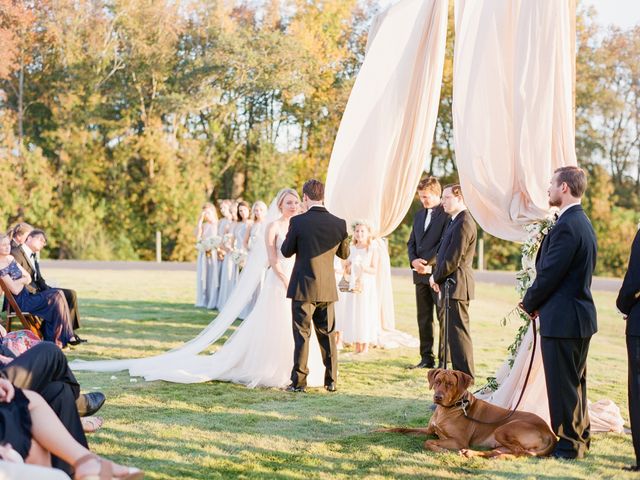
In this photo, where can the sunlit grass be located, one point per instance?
(220, 430)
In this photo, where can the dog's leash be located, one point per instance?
(464, 402)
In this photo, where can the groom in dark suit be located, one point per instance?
(454, 261)
(628, 302)
(561, 296)
(314, 237)
(428, 227)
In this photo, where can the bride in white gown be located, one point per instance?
(260, 351)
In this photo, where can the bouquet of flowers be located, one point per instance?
(209, 244)
(239, 257)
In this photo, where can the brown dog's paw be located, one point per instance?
(465, 452)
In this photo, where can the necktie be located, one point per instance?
(427, 220)
(36, 275)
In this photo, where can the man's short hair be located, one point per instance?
(455, 189)
(314, 189)
(35, 232)
(574, 177)
(430, 184)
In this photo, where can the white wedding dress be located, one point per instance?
(260, 352)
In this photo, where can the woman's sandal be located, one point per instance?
(106, 470)
(91, 424)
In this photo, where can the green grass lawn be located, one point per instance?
(221, 430)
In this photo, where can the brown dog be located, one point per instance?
(461, 420)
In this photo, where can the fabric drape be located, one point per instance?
(512, 107)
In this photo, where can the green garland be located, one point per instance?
(524, 279)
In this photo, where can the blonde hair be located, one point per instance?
(283, 193)
(363, 223)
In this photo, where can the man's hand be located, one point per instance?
(532, 315)
(420, 266)
(434, 285)
(6, 390)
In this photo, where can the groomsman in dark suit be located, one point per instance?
(315, 238)
(628, 303)
(561, 296)
(454, 261)
(428, 226)
(27, 256)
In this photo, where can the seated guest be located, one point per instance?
(27, 257)
(44, 369)
(49, 305)
(18, 234)
(35, 433)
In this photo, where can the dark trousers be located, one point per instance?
(565, 369)
(460, 345)
(633, 353)
(426, 302)
(44, 369)
(72, 301)
(321, 314)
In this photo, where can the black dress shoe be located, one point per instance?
(90, 403)
(424, 364)
(632, 468)
(76, 340)
(293, 388)
(331, 387)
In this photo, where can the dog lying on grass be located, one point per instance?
(461, 421)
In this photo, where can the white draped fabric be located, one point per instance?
(512, 107)
(387, 128)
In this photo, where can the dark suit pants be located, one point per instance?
(460, 345)
(633, 352)
(426, 301)
(565, 368)
(44, 369)
(321, 314)
(72, 301)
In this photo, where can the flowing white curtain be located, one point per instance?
(512, 106)
(387, 128)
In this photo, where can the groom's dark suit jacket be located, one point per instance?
(455, 256)
(424, 243)
(315, 238)
(561, 292)
(628, 301)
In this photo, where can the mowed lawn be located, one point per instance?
(221, 430)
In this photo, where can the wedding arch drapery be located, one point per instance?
(387, 127)
(512, 107)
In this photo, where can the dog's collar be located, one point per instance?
(462, 404)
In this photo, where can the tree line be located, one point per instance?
(119, 118)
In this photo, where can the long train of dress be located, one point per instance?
(260, 351)
(604, 414)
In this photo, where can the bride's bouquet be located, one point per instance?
(239, 257)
